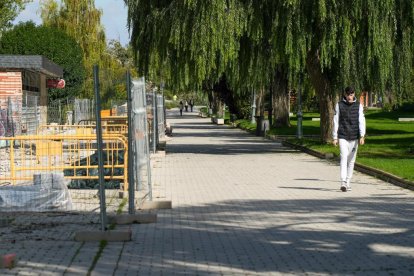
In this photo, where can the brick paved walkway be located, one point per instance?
(243, 205)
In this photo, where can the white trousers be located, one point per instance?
(348, 155)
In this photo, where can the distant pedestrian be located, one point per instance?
(186, 106)
(181, 106)
(191, 104)
(348, 129)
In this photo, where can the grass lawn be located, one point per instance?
(389, 144)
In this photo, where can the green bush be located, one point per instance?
(204, 109)
(387, 107)
(171, 104)
(406, 107)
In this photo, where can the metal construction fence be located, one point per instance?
(119, 107)
(160, 116)
(70, 111)
(84, 164)
(10, 116)
(156, 126)
(140, 139)
(30, 114)
(58, 172)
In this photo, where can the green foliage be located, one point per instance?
(392, 153)
(80, 20)
(389, 144)
(122, 54)
(9, 9)
(204, 109)
(170, 104)
(406, 107)
(337, 43)
(246, 125)
(243, 108)
(387, 107)
(29, 39)
(195, 40)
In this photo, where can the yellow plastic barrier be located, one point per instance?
(26, 156)
(82, 129)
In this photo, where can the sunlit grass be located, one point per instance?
(389, 144)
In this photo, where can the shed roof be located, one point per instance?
(31, 62)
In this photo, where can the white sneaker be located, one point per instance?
(348, 185)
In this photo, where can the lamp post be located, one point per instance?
(163, 103)
(253, 107)
(299, 113)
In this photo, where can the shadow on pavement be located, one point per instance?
(364, 236)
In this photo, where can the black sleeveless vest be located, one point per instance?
(348, 120)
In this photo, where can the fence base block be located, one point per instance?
(161, 145)
(147, 205)
(135, 218)
(110, 236)
(158, 154)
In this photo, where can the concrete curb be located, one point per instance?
(158, 154)
(148, 205)
(134, 218)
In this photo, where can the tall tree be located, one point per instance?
(82, 21)
(56, 45)
(348, 42)
(195, 39)
(366, 43)
(9, 9)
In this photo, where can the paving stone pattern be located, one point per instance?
(243, 205)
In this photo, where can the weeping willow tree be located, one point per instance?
(364, 43)
(262, 44)
(82, 21)
(193, 41)
(261, 61)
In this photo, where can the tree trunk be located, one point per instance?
(281, 104)
(217, 103)
(260, 102)
(326, 95)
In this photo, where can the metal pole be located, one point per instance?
(99, 148)
(299, 114)
(163, 104)
(154, 122)
(11, 116)
(131, 181)
(157, 127)
(253, 107)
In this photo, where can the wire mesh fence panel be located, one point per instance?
(149, 102)
(55, 111)
(140, 140)
(83, 109)
(70, 111)
(10, 116)
(52, 173)
(119, 107)
(30, 114)
(160, 116)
